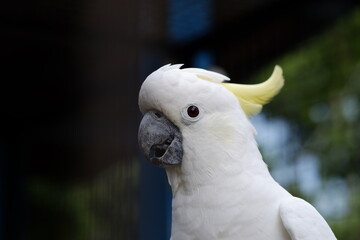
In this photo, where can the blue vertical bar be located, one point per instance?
(155, 203)
(188, 19)
(203, 59)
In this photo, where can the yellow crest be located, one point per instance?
(251, 97)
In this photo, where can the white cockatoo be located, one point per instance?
(196, 126)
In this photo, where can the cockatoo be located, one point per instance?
(196, 126)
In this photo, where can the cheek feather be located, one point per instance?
(222, 130)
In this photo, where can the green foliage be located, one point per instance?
(348, 228)
(102, 208)
(59, 212)
(321, 98)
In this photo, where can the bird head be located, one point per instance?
(185, 107)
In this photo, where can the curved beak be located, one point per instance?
(160, 140)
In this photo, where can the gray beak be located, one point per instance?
(160, 140)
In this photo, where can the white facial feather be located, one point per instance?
(170, 89)
(221, 131)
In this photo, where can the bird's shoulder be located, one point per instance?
(303, 221)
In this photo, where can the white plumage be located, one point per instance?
(222, 189)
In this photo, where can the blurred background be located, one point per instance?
(70, 167)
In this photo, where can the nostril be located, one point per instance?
(157, 115)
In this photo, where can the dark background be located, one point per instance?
(70, 167)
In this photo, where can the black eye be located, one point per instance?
(191, 114)
(193, 111)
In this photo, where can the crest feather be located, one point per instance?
(168, 67)
(207, 75)
(252, 97)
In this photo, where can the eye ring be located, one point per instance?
(191, 113)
